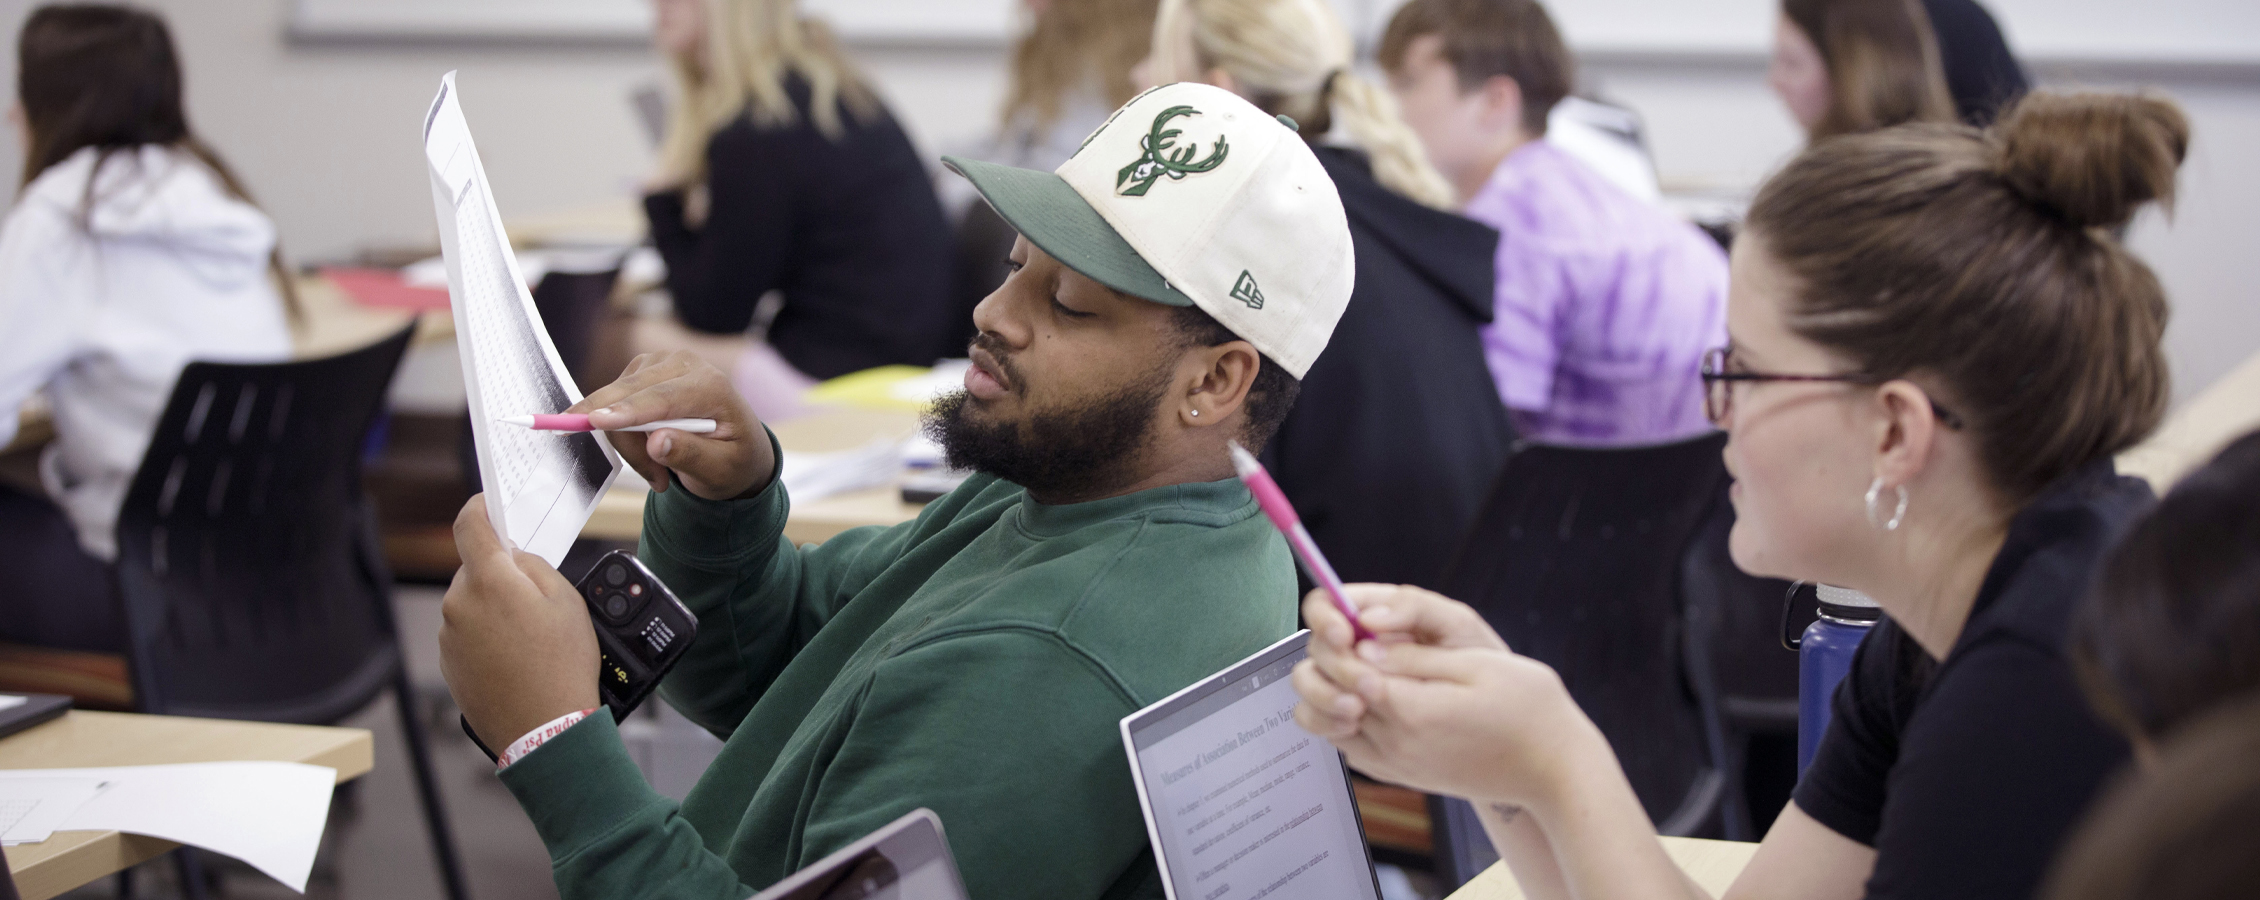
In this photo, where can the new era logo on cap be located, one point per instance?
(1191, 196)
(1245, 290)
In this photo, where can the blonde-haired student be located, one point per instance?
(1069, 70)
(781, 170)
(1398, 431)
(131, 250)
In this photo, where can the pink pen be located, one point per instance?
(579, 422)
(1282, 516)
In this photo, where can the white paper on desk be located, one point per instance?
(815, 475)
(268, 814)
(32, 807)
(541, 487)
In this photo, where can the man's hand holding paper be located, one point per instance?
(515, 641)
(734, 460)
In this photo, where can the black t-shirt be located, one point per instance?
(1965, 775)
(848, 230)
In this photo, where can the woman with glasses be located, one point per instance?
(1937, 347)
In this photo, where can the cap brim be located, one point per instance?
(1048, 212)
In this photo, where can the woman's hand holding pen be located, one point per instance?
(733, 461)
(1438, 702)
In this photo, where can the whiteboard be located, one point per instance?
(571, 20)
(893, 21)
(2190, 31)
(2226, 31)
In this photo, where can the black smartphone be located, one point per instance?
(641, 632)
(641, 629)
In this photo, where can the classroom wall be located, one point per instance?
(326, 133)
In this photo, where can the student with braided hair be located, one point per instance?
(1398, 431)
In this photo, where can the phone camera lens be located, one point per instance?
(615, 573)
(615, 606)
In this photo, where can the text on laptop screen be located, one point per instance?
(1245, 802)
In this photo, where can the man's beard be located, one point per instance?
(1059, 455)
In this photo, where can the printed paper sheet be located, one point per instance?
(540, 486)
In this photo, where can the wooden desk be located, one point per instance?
(335, 323)
(82, 739)
(2199, 428)
(619, 515)
(615, 221)
(1712, 864)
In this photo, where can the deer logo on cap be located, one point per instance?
(1161, 158)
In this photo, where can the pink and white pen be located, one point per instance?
(579, 422)
(1282, 515)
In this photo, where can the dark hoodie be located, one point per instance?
(1399, 430)
(1981, 73)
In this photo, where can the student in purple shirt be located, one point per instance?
(1604, 303)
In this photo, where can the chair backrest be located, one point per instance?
(244, 555)
(572, 305)
(1575, 560)
(983, 241)
(1737, 618)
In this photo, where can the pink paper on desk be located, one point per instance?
(384, 288)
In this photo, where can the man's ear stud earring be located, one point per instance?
(1196, 413)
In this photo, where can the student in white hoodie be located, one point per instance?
(131, 251)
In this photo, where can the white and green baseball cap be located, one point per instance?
(1191, 196)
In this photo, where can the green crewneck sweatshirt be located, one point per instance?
(975, 661)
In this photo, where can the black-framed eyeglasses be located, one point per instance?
(1718, 386)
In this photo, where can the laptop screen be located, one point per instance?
(1240, 801)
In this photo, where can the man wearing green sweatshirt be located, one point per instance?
(1172, 283)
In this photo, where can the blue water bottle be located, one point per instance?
(1824, 654)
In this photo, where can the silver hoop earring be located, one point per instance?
(1898, 515)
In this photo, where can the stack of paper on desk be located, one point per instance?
(268, 814)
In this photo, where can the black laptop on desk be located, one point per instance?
(21, 711)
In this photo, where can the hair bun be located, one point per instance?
(2092, 159)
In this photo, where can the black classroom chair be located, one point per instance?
(982, 242)
(248, 563)
(1575, 559)
(573, 302)
(1735, 638)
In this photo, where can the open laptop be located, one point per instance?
(1241, 803)
(906, 860)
